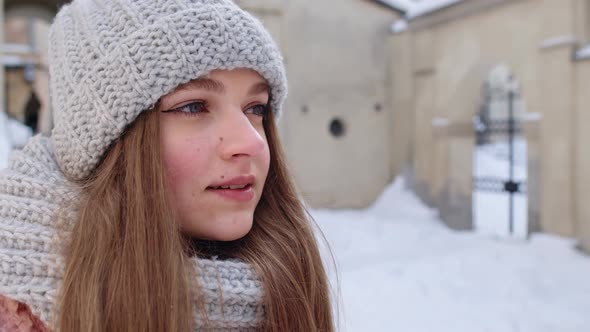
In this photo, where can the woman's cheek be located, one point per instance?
(185, 160)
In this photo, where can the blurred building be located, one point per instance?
(442, 58)
(371, 82)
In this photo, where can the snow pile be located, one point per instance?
(401, 269)
(13, 135)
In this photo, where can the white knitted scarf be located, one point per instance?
(31, 268)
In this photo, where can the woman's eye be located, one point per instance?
(193, 108)
(259, 110)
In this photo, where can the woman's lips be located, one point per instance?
(242, 195)
(238, 181)
(238, 189)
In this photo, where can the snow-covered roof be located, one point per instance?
(400, 5)
(393, 4)
(415, 9)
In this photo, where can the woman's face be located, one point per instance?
(215, 152)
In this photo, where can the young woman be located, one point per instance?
(161, 201)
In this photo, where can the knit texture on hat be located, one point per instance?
(31, 267)
(109, 60)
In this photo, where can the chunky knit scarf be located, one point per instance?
(31, 190)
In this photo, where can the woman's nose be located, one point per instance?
(240, 137)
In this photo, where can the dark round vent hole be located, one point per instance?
(337, 128)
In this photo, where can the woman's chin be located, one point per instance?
(231, 230)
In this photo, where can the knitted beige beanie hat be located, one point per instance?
(109, 60)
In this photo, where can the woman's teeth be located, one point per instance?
(232, 187)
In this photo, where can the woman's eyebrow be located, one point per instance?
(218, 87)
(259, 88)
(203, 83)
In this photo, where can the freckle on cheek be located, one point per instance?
(220, 138)
(223, 176)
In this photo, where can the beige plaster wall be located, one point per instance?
(402, 101)
(582, 173)
(338, 62)
(555, 96)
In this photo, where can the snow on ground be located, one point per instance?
(401, 269)
(13, 135)
(5, 142)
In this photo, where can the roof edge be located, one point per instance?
(392, 5)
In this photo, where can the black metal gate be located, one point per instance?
(486, 128)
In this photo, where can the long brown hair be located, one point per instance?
(127, 263)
